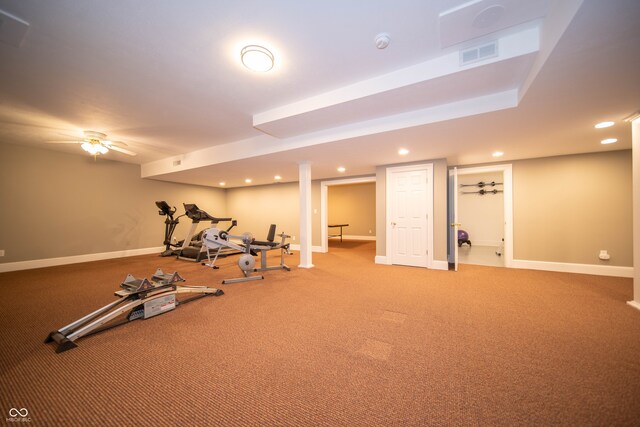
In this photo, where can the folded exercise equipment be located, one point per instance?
(138, 298)
(213, 238)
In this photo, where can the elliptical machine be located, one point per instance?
(170, 224)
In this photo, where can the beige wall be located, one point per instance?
(56, 204)
(256, 208)
(353, 204)
(482, 216)
(440, 177)
(566, 209)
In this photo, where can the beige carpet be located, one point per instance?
(347, 343)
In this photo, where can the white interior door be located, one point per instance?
(455, 224)
(453, 218)
(409, 191)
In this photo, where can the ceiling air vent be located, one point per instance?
(479, 53)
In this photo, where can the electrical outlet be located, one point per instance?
(1, 252)
(293, 238)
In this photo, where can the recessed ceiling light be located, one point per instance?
(277, 177)
(603, 125)
(257, 58)
(608, 141)
(222, 184)
(341, 169)
(497, 154)
(403, 151)
(248, 180)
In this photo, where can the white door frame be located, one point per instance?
(507, 178)
(324, 204)
(428, 167)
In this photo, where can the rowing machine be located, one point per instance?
(213, 238)
(141, 298)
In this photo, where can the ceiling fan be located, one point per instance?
(96, 143)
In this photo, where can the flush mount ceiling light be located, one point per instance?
(403, 151)
(277, 177)
(222, 184)
(341, 169)
(603, 125)
(497, 154)
(608, 141)
(256, 58)
(248, 180)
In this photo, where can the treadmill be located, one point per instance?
(193, 250)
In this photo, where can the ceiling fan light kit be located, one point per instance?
(94, 148)
(96, 143)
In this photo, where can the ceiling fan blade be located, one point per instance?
(55, 141)
(114, 143)
(122, 150)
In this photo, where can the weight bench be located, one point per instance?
(268, 245)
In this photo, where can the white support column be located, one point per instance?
(305, 215)
(635, 152)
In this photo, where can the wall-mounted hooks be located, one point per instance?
(482, 184)
(483, 192)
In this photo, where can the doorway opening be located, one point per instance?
(347, 212)
(482, 204)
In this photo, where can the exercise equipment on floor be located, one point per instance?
(213, 238)
(170, 224)
(463, 237)
(193, 249)
(139, 298)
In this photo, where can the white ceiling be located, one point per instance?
(165, 78)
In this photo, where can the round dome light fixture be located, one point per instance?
(256, 58)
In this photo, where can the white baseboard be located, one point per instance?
(598, 270)
(435, 265)
(381, 259)
(313, 248)
(634, 304)
(51, 262)
(352, 237)
(306, 265)
(439, 265)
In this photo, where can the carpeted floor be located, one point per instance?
(347, 343)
